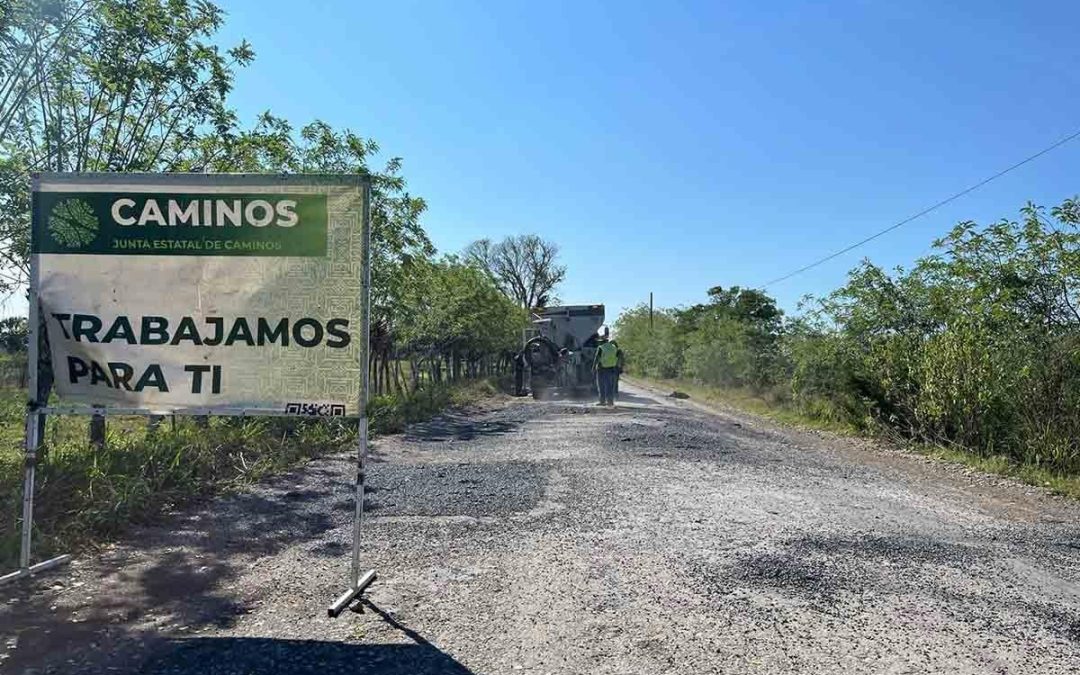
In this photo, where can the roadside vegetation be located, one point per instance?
(972, 355)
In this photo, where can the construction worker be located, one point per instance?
(606, 366)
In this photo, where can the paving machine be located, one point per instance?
(560, 348)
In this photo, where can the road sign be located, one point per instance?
(202, 293)
(199, 294)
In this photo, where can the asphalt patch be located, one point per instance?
(477, 490)
(820, 568)
(675, 435)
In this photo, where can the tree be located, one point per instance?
(648, 337)
(103, 85)
(13, 335)
(733, 338)
(524, 267)
(745, 305)
(30, 31)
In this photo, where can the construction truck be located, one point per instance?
(559, 349)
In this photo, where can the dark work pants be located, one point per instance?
(605, 382)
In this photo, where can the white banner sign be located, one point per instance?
(190, 293)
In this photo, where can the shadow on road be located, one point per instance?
(259, 656)
(626, 397)
(571, 396)
(265, 656)
(113, 612)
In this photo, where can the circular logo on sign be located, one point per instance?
(72, 223)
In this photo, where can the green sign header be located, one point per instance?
(126, 223)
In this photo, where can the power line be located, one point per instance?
(925, 211)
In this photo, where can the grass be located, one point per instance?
(1057, 483)
(86, 496)
(761, 404)
(389, 414)
(780, 410)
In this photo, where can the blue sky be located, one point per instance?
(670, 147)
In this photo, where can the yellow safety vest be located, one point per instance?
(609, 355)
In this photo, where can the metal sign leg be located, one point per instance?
(359, 583)
(358, 516)
(33, 424)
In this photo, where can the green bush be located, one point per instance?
(732, 340)
(652, 343)
(719, 352)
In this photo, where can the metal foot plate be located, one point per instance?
(346, 598)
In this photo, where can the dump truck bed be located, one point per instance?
(569, 326)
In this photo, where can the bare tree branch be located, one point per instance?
(525, 267)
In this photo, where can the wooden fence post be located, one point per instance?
(97, 430)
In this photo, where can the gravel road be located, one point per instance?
(558, 537)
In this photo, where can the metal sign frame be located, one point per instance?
(35, 409)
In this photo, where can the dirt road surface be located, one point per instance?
(558, 537)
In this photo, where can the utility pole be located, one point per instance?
(650, 312)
